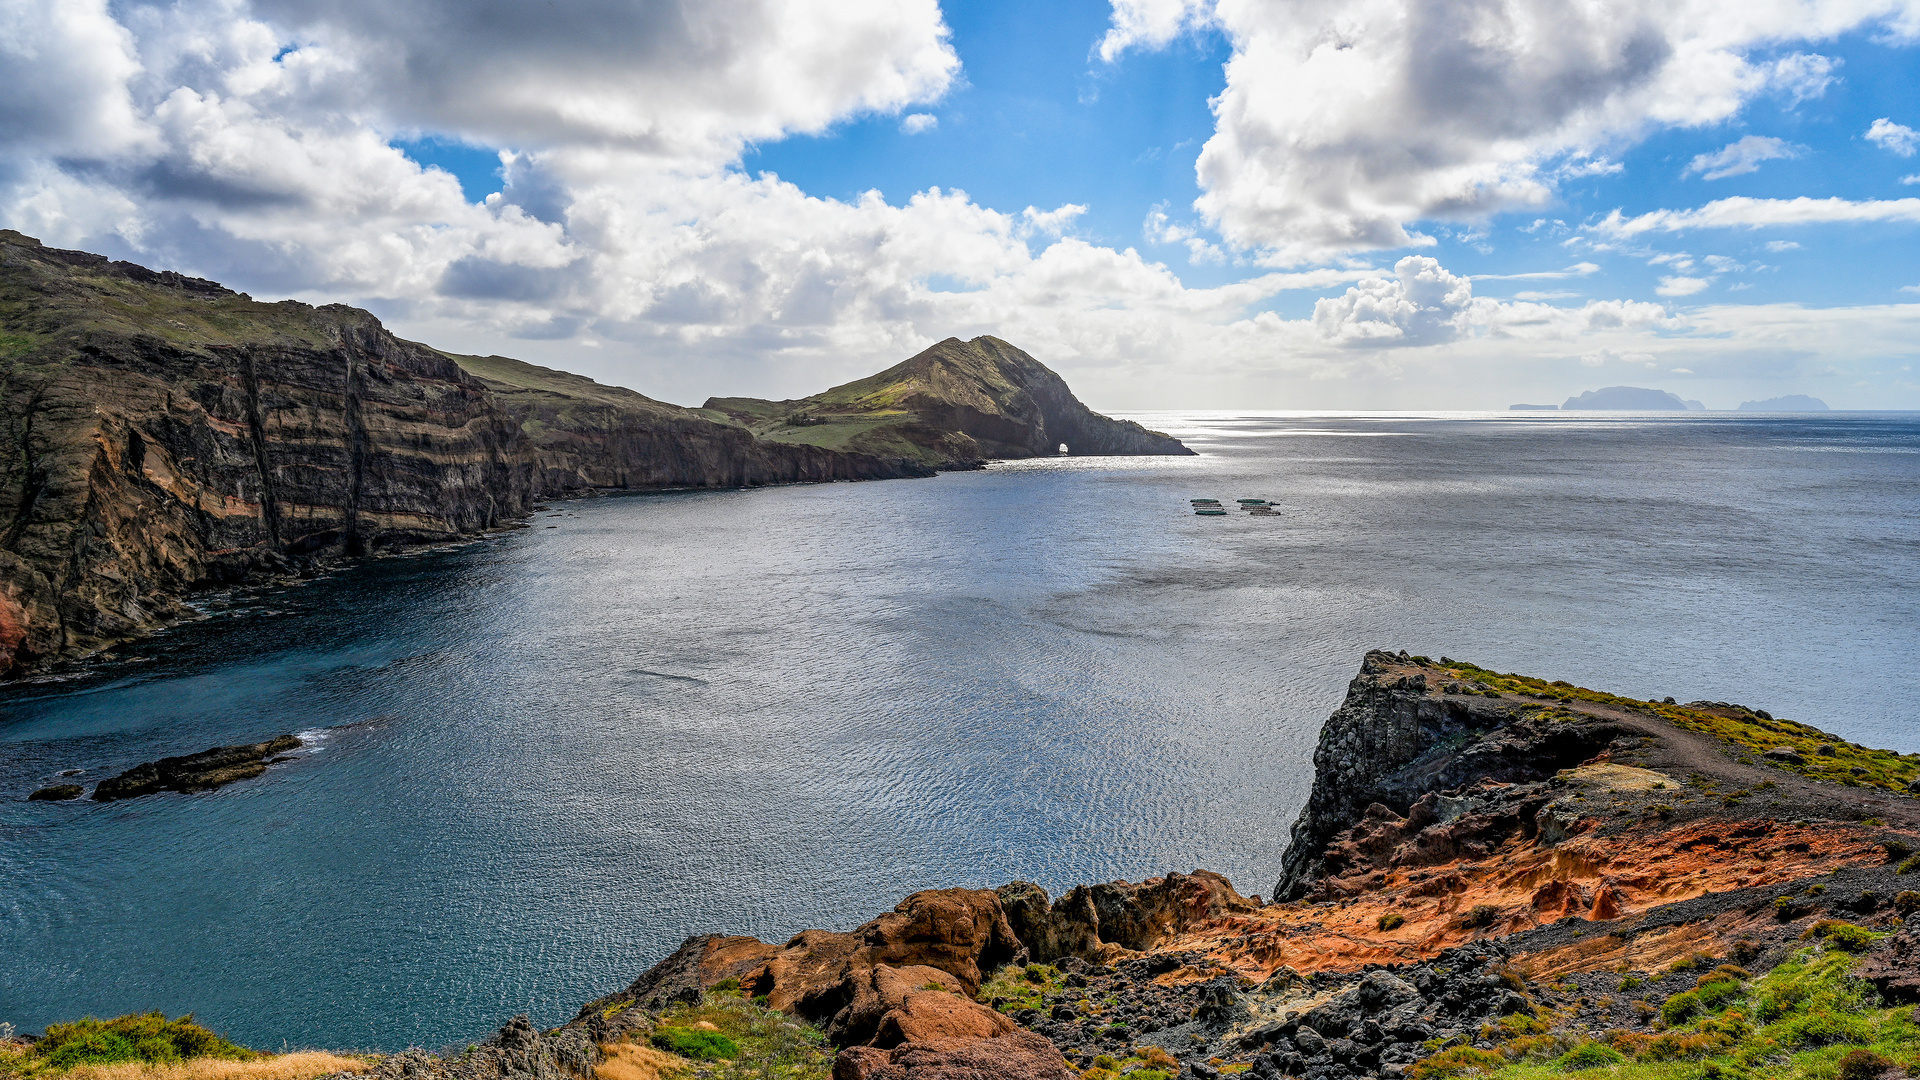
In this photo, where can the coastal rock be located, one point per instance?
(1397, 738)
(1129, 917)
(204, 771)
(57, 793)
(698, 963)
(1020, 1055)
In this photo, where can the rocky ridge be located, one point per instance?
(1491, 870)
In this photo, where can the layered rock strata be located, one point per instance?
(161, 434)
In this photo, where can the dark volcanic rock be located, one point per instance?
(204, 771)
(1894, 968)
(1131, 917)
(1392, 741)
(57, 793)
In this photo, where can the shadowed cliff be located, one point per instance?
(161, 434)
(953, 406)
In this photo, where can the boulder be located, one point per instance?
(1020, 1055)
(934, 1015)
(1089, 921)
(1894, 967)
(881, 1008)
(1785, 754)
(698, 963)
(57, 793)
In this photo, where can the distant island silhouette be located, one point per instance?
(1631, 398)
(1789, 403)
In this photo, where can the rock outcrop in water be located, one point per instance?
(161, 434)
(953, 406)
(204, 771)
(1491, 869)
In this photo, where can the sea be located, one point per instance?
(535, 763)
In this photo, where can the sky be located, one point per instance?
(1192, 204)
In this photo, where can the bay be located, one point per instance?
(539, 761)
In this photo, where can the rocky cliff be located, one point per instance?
(953, 406)
(160, 434)
(581, 435)
(1495, 876)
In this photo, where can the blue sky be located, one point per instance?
(1040, 120)
(1294, 203)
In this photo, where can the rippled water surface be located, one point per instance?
(541, 760)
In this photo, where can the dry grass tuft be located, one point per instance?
(633, 1061)
(306, 1065)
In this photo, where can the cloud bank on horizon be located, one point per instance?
(1398, 203)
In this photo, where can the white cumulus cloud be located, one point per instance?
(1343, 123)
(1896, 138)
(917, 123)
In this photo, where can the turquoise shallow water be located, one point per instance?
(541, 760)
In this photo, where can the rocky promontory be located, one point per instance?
(952, 406)
(1495, 876)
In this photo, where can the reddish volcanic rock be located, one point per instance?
(934, 1015)
(1021, 1055)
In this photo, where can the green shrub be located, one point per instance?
(1455, 1062)
(725, 986)
(1105, 1061)
(94, 1047)
(1907, 902)
(1705, 998)
(1823, 1027)
(1844, 936)
(1392, 920)
(1590, 1055)
(148, 1037)
(1631, 982)
(695, 1043)
(1909, 866)
(1722, 974)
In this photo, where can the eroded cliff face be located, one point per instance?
(581, 436)
(161, 434)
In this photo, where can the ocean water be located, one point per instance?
(539, 761)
